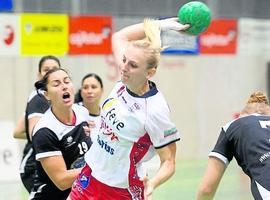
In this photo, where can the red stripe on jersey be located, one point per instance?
(121, 90)
(138, 151)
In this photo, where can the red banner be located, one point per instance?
(220, 37)
(90, 35)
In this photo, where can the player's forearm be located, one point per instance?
(166, 170)
(65, 180)
(130, 33)
(19, 130)
(205, 194)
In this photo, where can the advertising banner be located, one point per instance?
(220, 37)
(44, 34)
(90, 35)
(9, 34)
(9, 153)
(254, 36)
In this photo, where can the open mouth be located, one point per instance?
(66, 97)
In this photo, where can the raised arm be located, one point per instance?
(123, 37)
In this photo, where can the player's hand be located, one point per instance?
(91, 124)
(148, 188)
(87, 130)
(172, 24)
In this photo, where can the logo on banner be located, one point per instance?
(211, 40)
(220, 37)
(8, 35)
(90, 35)
(82, 38)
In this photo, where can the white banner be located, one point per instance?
(9, 34)
(254, 36)
(9, 153)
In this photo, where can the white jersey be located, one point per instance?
(95, 119)
(131, 128)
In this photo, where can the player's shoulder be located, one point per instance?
(32, 95)
(81, 112)
(37, 97)
(47, 120)
(243, 121)
(157, 101)
(118, 89)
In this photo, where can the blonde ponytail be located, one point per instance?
(151, 44)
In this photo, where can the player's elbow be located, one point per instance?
(205, 192)
(62, 183)
(15, 135)
(62, 186)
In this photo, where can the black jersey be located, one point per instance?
(37, 104)
(51, 138)
(248, 140)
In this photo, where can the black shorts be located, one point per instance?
(28, 180)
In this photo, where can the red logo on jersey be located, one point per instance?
(108, 131)
(8, 35)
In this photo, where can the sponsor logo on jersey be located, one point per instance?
(135, 106)
(106, 130)
(265, 124)
(112, 117)
(170, 132)
(105, 146)
(264, 157)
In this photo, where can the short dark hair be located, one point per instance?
(78, 96)
(47, 57)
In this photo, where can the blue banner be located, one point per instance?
(175, 42)
(6, 5)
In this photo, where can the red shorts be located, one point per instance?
(86, 187)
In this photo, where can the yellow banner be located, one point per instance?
(44, 34)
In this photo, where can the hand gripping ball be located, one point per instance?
(197, 15)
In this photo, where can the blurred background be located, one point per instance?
(206, 79)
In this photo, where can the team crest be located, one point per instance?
(84, 181)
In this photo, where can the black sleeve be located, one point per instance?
(38, 104)
(223, 146)
(46, 143)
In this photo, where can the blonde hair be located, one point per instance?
(151, 44)
(258, 97)
(257, 103)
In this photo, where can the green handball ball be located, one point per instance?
(197, 15)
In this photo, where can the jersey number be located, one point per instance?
(83, 148)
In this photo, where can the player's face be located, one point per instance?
(46, 66)
(60, 90)
(134, 72)
(91, 91)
